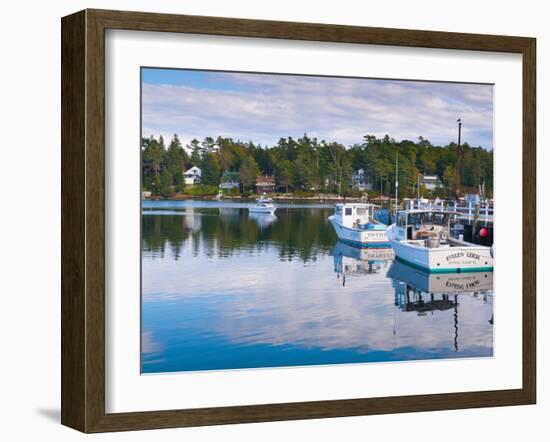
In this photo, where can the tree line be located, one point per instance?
(306, 165)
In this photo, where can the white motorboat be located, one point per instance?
(354, 224)
(421, 238)
(263, 205)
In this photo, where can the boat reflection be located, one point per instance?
(445, 283)
(355, 261)
(423, 293)
(262, 219)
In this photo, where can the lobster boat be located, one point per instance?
(354, 224)
(421, 238)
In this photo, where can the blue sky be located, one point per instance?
(264, 107)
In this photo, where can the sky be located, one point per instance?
(264, 107)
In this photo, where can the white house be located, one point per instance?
(192, 176)
(360, 181)
(431, 182)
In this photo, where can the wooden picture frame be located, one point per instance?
(83, 220)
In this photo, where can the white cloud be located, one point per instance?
(263, 108)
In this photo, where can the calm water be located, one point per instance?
(225, 289)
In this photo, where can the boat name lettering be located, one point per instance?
(459, 287)
(454, 285)
(455, 255)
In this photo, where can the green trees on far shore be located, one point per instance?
(308, 165)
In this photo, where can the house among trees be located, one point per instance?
(265, 184)
(360, 181)
(431, 182)
(192, 176)
(230, 181)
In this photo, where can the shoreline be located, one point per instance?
(319, 197)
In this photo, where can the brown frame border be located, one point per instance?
(83, 217)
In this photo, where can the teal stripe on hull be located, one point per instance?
(374, 245)
(456, 270)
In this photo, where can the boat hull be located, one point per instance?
(360, 237)
(265, 210)
(442, 259)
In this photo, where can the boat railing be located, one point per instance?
(466, 211)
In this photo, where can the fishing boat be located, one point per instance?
(422, 238)
(354, 224)
(263, 205)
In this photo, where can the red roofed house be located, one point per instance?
(265, 184)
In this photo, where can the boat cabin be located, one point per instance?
(423, 225)
(355, 215)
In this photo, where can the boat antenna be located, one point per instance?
(396, 182)
(418, 188)
(458, 174)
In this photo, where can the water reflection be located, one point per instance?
(301, 231)
(428, 293)
(263, 219)
(446, 283)
(222, 290)
(350, 260)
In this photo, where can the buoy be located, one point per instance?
(483, 232)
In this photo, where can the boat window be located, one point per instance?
(348, 210)
(415, 219)
(338, 210)
(440, 219)
(402, 220)
(361, 211)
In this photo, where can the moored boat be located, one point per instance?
(422, 239)
(354, 224)
(263, 205)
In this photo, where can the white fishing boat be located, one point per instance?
(263, 205)
(354, 224)
(422, 239)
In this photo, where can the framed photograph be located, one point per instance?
(267, 220)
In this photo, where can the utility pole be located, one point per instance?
(458, 175)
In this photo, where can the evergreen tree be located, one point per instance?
(175, 160)
(248, 172)
(211, 169)
(195, 148)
